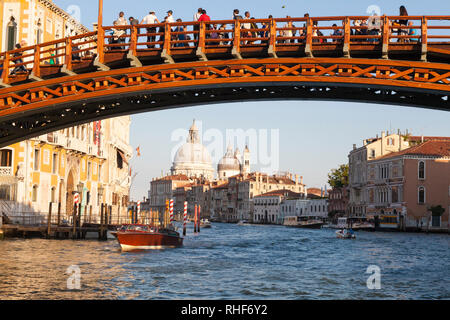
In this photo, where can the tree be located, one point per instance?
(338, 178)
(437, 211)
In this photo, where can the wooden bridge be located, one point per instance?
(142, 68)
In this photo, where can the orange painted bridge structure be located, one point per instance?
(142, 68)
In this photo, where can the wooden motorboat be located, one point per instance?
(141, 236)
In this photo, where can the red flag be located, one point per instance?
(138, 150)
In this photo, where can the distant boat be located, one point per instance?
(243, 223)
(345, 234)
(295, 221)
(204, 223)
(367, 226)
(141, 236)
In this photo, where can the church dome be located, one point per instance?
(229, 164)
(192, 158)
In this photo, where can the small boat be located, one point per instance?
(142, 236)
(243, 223)
(295, 221)
(345, 234)
(366, 226)
(204, 223)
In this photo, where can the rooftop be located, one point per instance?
(433, 148)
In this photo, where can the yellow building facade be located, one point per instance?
(91, 159)
(35, 22)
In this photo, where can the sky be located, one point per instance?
(314, 136)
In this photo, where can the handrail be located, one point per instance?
(271, 33)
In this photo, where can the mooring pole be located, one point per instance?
(199, 218)
(49, 219)
(184, 218)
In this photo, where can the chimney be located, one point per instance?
(301, 180)
(296, 179)
(354, 146)
(421, 139)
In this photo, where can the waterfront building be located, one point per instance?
(267, 206)
(403, 186)
(358, 158)
(35, 21)
(90, 159)
(192, 159)
(338, 201)
(305, 208)
(167, 187)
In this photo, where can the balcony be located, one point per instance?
(6, 171)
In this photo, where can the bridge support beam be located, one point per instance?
(32, 76)
(201, 55)
(271, 52)
(100, 66)
(166, 57)
(235, 53)
(134, 61)
(65, 70)
(4, 85)
(424, 52)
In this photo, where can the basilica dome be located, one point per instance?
(192, 158)
(229, 165)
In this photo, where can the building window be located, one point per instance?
(53, 195)
(5, 158)
(89, 170)
(119, 160)
(55, 163)
(34, 193)
(11, 33)
(421, 170)
(5, 192)
(421, 195)
(36, 159)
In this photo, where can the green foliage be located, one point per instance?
(437, 211)
(338, 178)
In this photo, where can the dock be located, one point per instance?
(55, 231)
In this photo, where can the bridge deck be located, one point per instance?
(124, 46)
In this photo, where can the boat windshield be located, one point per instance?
(136, 228)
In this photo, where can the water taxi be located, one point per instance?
(294, 221)
(204, 223)
(141, 237)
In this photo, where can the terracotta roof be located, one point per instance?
(281, 192)
(178, 177)
(434, 148)
(419, 138)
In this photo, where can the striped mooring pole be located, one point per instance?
(184, 218)
(171, 211)
(198, 222)
(138, 211)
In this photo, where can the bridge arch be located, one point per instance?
(128, 80)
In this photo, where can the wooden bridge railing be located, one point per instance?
(237, 35)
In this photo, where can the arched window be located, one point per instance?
(421, 195)
(11, 34)
(53, 195)
(34, 193)
(421, 170)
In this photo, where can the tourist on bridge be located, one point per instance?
(197, 16)
(148, 20)
(266, 32)
(121, 21)
(403, 22)
(236, 15)
(223, 35)
(205, 17)
(18, 60)
(180, 37)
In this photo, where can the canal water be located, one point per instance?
(232, 262)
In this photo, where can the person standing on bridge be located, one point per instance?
(148, 20)
(196, 26)
(403, 22)
(205, 17)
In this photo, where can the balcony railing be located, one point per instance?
(6, 171)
